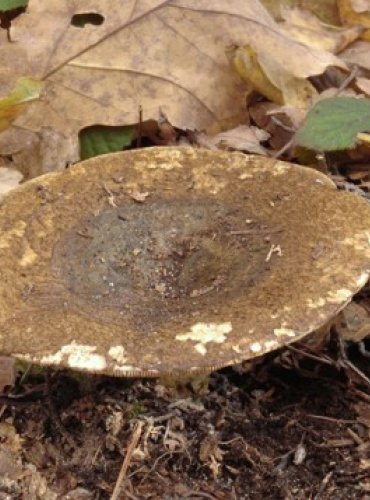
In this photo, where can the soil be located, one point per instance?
(292, 425)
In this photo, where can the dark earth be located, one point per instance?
(292, 425)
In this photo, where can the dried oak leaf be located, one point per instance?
(305, 27)
(168, 54)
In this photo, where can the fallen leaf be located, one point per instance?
(149, 53)
(308, 29)
(241, 138)
(12, 4)
(360, 5)
(11, 106)
(99, 139)
(269, 76)
(9, 10)
(357, 54)
(278, 121)
(353, 323)
(326, 10)
(363, 84)
(356, 12)
(333, 124)
(9, 179)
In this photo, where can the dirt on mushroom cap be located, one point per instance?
(169, 260)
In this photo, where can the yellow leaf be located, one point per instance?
(268, 74)
(25, 90)
(308, 29)
(245, 61)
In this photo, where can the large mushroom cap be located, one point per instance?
(169, 260)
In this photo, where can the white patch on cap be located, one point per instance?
(255, 347)
(339, 296)
(202, 333)
(52, 359)
(314, 304)
(359, 241)
(164, 165)
(280, 169)
(270, 345)
(29, 256)
(200, 348)
(79, 356)
(17, 231)
(245, 175)
(284, 332)
(362, 280)
(118, 353)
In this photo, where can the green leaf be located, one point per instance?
(100, 139)
(6, 5)
(333, 124)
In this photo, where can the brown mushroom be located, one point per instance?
(174, 260)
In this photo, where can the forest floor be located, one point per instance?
(294, 425)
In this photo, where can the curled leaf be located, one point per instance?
(268, 74)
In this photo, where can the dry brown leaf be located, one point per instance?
(308, 29)
(9, 179)
(358, 53)
(360, 5)
(353, 322)
(326, 10)
(363, 84)
(241, 138)
(157, 54)
(356, 12)
(268, 75)
(276, 121)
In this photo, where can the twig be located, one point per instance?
(323, 485)
(331, 419)
(111, 201)
(202, 494)
(324, 360)
(140, 127)
(346, 363)
(274, 249)
(356, 438)
(281, 124)
(361, 394)
(126, 463)
(284, 148)
(347, 81)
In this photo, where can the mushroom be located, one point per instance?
(174, 261)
